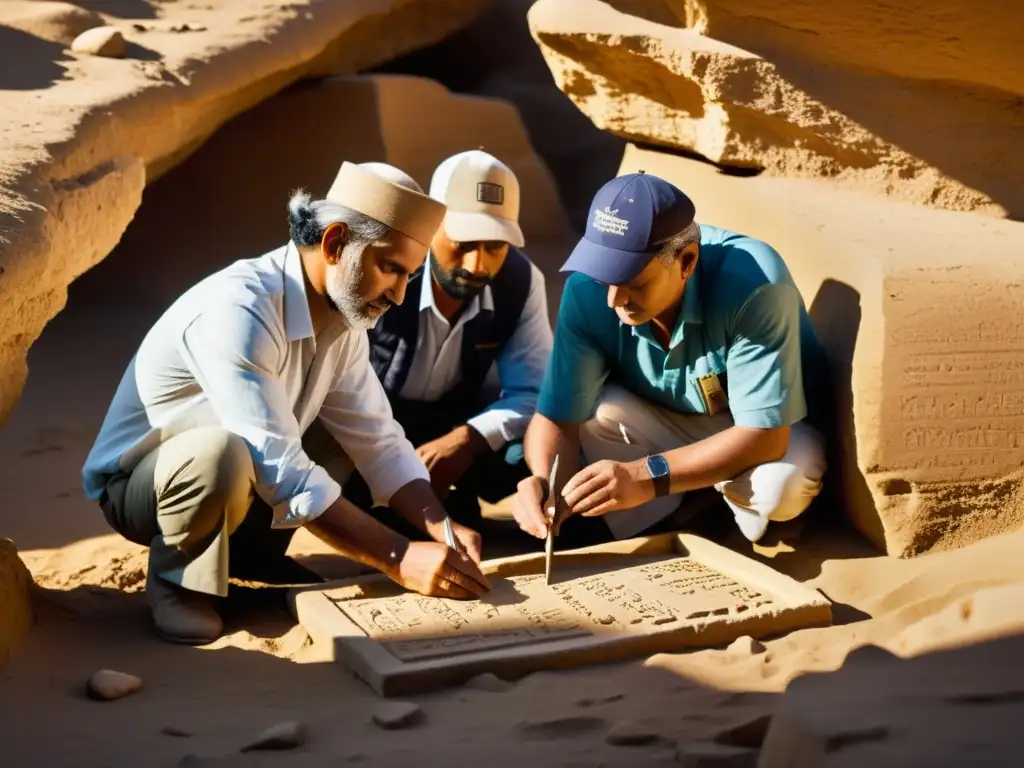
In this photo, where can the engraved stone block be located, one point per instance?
(628, 598)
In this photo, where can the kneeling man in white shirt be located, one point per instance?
(252, 399)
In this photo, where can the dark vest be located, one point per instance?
(393, 339)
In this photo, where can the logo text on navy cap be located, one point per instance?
(606, 221)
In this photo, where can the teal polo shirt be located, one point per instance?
(742, 319)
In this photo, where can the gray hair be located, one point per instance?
(308, 219)
(670, 251)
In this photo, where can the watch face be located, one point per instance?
(657, 465)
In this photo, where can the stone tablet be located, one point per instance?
(624, 599)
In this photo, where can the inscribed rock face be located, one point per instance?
(615, 601)
(643, 599)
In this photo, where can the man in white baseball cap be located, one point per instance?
(477, 304)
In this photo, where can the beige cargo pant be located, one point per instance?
(626, 428)
(192, 502)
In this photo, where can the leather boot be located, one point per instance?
(181, 615)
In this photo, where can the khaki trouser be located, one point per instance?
(192, 502)
(626, 428)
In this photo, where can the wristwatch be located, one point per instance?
(657, 467)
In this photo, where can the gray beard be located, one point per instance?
(342, 287)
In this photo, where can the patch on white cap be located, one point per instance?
(482, 196)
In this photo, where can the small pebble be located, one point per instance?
(747, 645)
(630, 734)
(108, 685)
(100, 41)
(488, 682)
(705, 755)
(664, 620)
(392, 715)
(170, 730)
(287, 735)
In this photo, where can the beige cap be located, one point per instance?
(482, 195)
(391, 173)
(410, 212)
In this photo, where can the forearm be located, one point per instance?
(544, 440)
(418, 504)
(355, 534)
(723, 456)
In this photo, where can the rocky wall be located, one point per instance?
(81, 135)
(917, 101)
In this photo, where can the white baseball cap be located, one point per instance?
(482, 195)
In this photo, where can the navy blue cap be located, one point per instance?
(631, 218)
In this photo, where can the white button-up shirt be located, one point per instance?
(436, 365)
(238, 350)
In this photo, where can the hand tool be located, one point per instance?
(551, 505)
(449, 535)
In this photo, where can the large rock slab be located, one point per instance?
(80, 137)
(16, 614)
(950, 708)
(919, 311)
(955, 40)
(799, 90)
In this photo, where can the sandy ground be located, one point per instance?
(265, 670)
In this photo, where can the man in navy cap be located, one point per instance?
(680, 359)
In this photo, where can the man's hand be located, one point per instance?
(434, 569)
(448, 457)
(472, 543)
(529, 507)
(607, 486)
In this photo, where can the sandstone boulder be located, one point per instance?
(16, 614)
(75, 158)
(799, 90)
(919, 311)
(954, 40)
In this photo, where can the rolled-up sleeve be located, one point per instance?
(357, 413)
(235, 356)
(521, 367)
(766, 387)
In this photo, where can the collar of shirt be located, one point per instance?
(692, 314)
(298, 323)
(483, 300)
